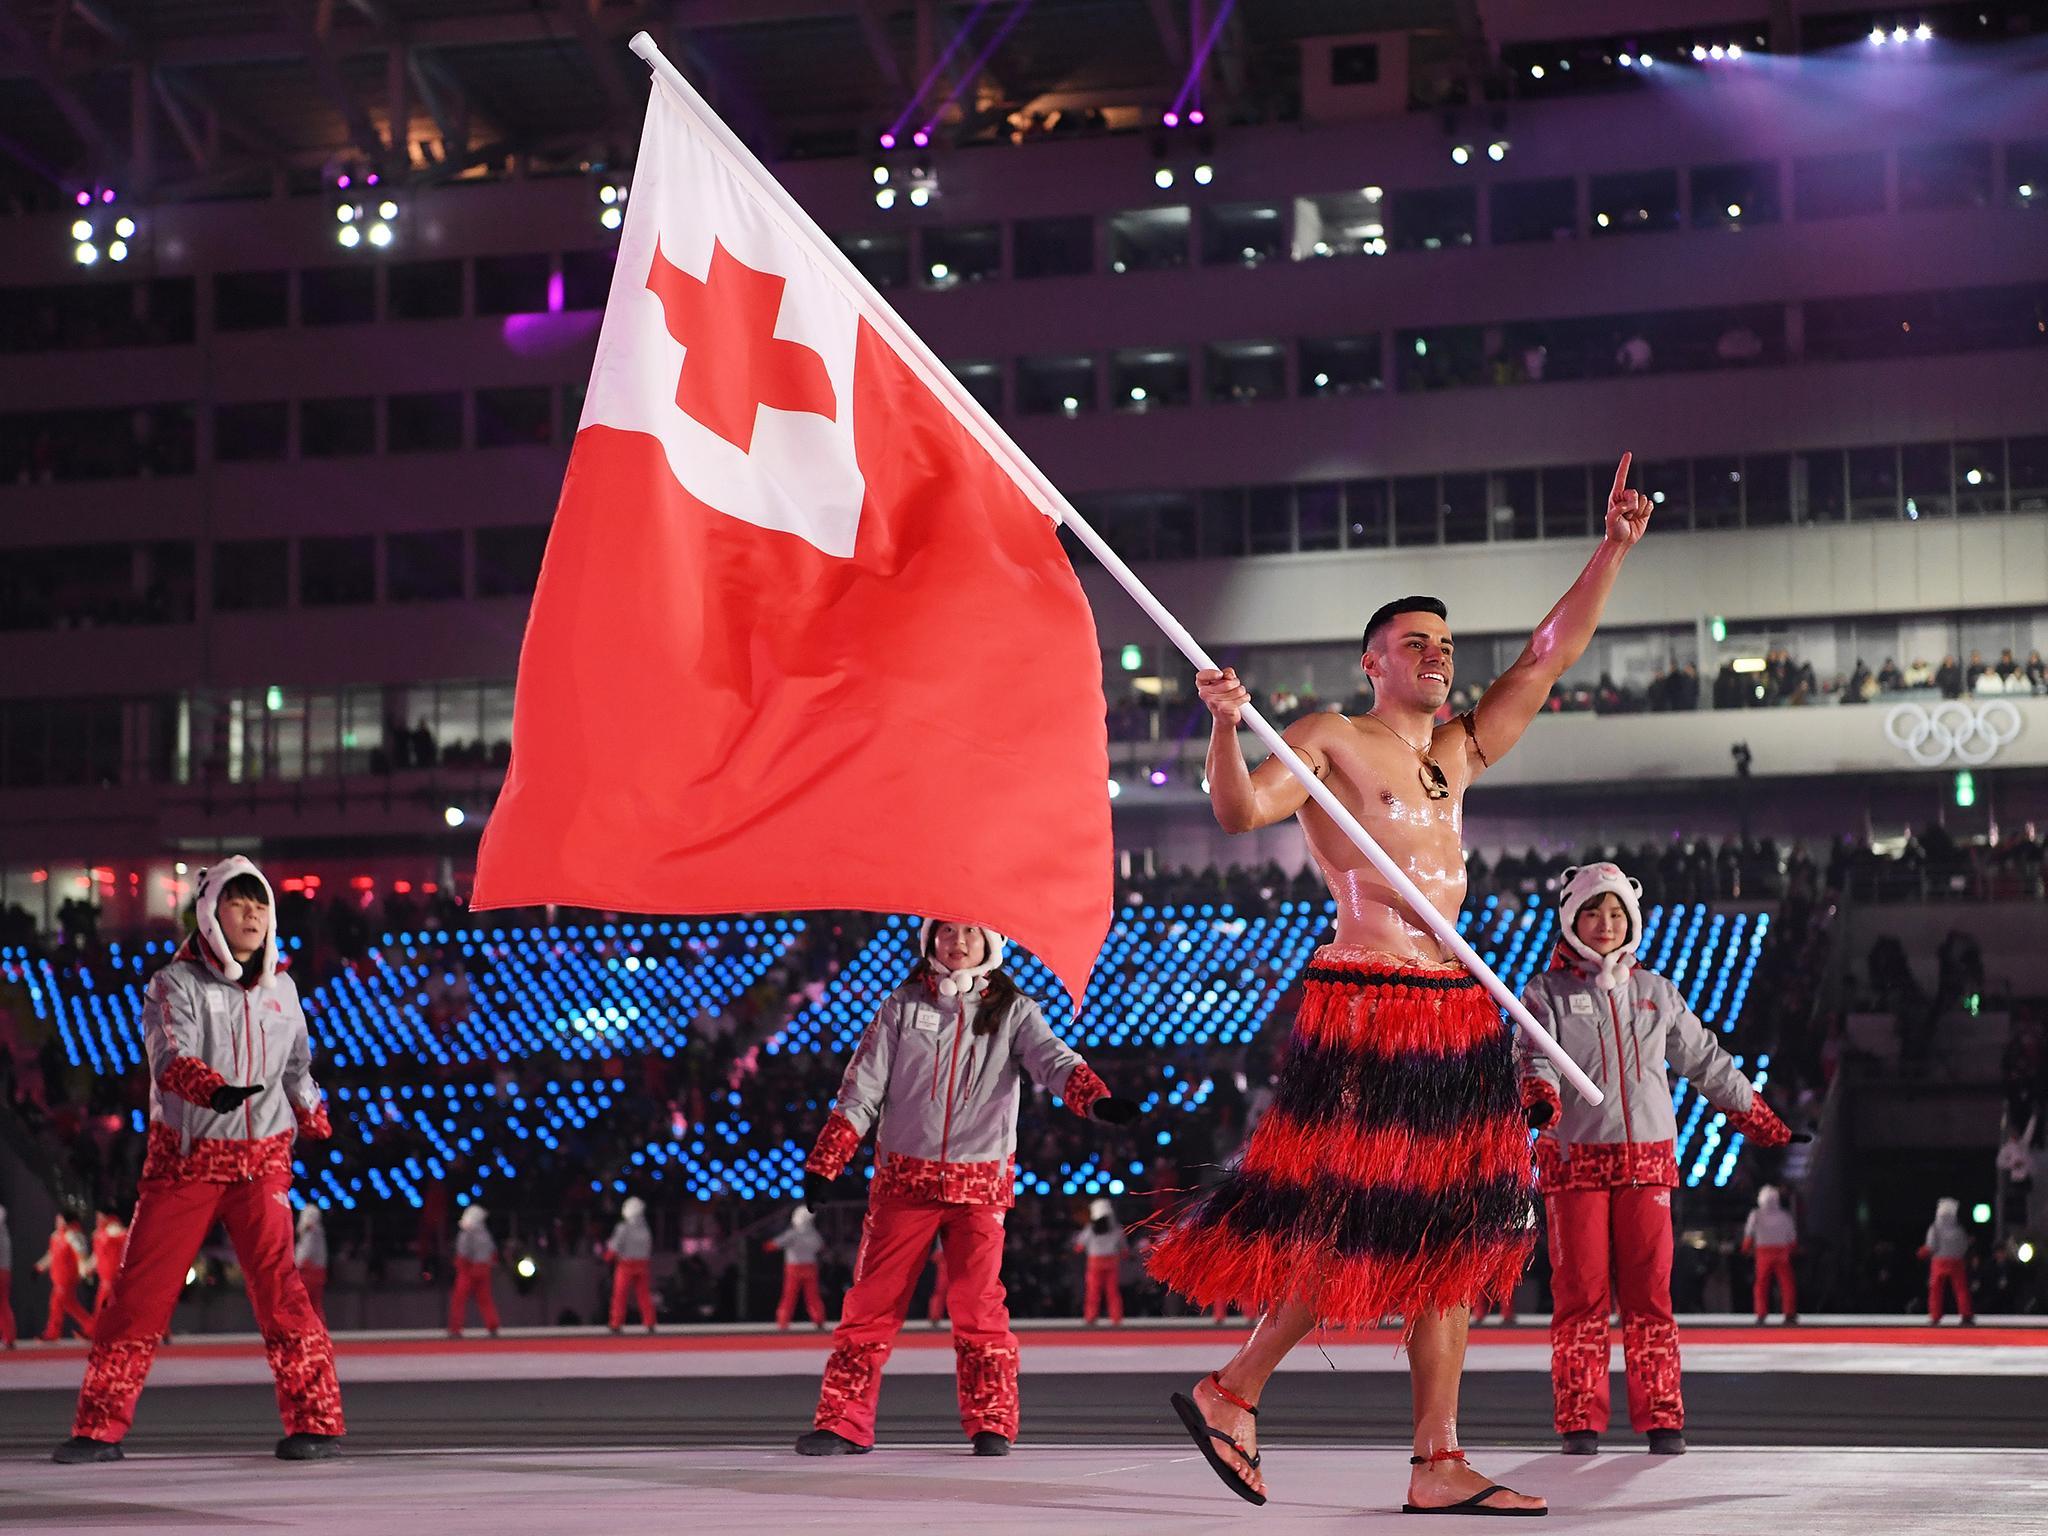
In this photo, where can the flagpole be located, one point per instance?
(937, 377)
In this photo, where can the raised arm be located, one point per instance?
(1242, 799)
(1506, 708)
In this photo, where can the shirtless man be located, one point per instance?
(1362, 1194)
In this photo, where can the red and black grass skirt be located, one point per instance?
(1392, 1173)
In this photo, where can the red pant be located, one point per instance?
(1102, 1289)
(631, 1275)
(798, 1280)
(937, 1308)
(1775, 1263)
(1949, 1273)
(7, 1307)
(315, 1276)
(895, 1240)
(1625, 1234)
(64, 1303)
(472, 1283)
(171, 1221)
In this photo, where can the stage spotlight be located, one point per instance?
(1899, 34)
(1628, 61)
(1115, 789)
(1461, 154)
(921, 138)
(919, 196)
(1735, 50)
(1497, 151)
(1536, 70)
(380, 235)
(1717, 52)
(86, 253)
(1699, 53)
(82, 230)
(350, 237)
(1198, 117)
(885, 197)
(881, 174)
(1157, 777)
(1877, 37)
(124, 228)
(888, 141)
(1374, 194)
(611, 218)
(117, 250)
(1171, 120)
(1162, 178)
(1924, 32)
(1204, 174)
(387, 210)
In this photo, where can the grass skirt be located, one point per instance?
(1392, 1174)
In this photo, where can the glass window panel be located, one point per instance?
(1873, 483)
(1342, 224)
(1416, 510)
(251, 431)
(1175, 534)
(1927, 475)
(969, 253)
(1143, 379)
(1366, 521)
(1820, 486)
(508, 559)
(1242, 234)
(1668, 484)
(337, 296)
(517, 416)
(1319, 515)
(1531, 211)
(587, 277)
(1270, 513)
(1717, 492)
(1241, 372)
(1565, 501)
(512, 285)
(424, 423)
(1980, 477)
(1766, 490)
(2027, 463)
(1434, 218)
(1511, 504)
(1048, 386)
(333, 429)
(1222, 518)
(1340, 365)
(424, 567)
(425, 290)
(251, 301)
(1058, 247)
(337, 571)
(1465, 512)
(1149, 240)
(1635, 202)
(1735, 196)
(250, 574)
(984, 381)
(2026, 174)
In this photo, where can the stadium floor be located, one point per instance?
(1840, 1425)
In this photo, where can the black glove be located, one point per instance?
(1114, 1111)
(1798, 1136)
(227, 1096)
(1541, 1113)
(818, 1190)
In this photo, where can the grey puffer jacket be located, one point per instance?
(475, 1245)
(799, 1245)
(632, 1241)
(942, 1099)
(1622, 1039)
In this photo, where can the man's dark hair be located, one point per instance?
(1385, 615)
(244, 885)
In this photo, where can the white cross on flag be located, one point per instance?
(801, 638)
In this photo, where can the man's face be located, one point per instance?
(245, 922)
(1411, 660)
(959, 946)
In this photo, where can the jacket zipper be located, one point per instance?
(952, 1078)
(1628, 1132)
(248, 1116)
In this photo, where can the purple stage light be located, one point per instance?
(1172, 119)
(371, 178)
(888, 141)
(84, 199)
(1158, 778)
(921, 138)
(1192, 83)
(932, 75)
(107, 196)
(1198, 117)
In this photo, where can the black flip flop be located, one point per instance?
(1475, 1505)
(1203, 1433)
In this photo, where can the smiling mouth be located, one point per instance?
(1435, 677)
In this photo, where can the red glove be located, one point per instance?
(1761, 1124)
(1540, 1099)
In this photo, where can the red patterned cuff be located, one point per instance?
(835, 1147)
(1761, 1124)
(1541, 1090)
(1083, 1089)
(313, 1122)
(193, 1080)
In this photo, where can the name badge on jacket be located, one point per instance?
(926, 1019)
(1582, 1002)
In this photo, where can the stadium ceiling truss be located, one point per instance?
(184, 99)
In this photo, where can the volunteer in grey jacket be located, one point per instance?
(631, 1251)
(800, 1246)
(231, 1088)
(1947, 1252)
(1606, 1171)
(937, 1078)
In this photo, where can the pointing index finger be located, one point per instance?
(1621, 474)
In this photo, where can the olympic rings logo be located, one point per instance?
(1952, 729)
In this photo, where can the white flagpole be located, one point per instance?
(940, 379)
